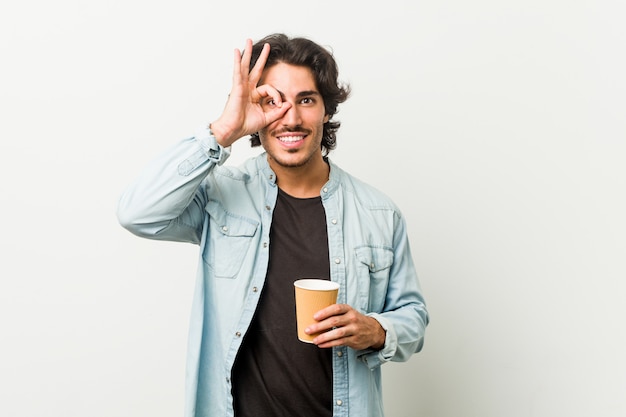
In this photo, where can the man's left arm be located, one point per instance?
(391, 335)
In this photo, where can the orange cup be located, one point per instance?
(312, 295)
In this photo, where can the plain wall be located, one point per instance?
(497, 126)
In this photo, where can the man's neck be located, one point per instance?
(302, 182)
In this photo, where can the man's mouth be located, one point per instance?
(290, 138)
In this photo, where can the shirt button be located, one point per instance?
(254, 289)
(268, 208)
(340, 354)
(334, 221)
(372, 265)
(337, 261)
(225, 228)
(325, 189)
(238, 334)
(271, 177)
(339, 402)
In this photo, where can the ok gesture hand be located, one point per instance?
(244, 112)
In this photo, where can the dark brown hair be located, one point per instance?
(306, 53)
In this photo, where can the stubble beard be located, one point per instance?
(292, 164)
(298, 163)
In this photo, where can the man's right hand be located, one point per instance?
(244, 113)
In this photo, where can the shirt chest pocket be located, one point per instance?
(373, 265)
(229, 239)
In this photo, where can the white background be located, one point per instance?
(497, 126)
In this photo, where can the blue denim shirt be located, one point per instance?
(188, 195)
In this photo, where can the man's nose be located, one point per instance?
(292, 116)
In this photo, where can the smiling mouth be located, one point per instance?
(291, 138)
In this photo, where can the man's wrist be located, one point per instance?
(221, 135)
(381, 336)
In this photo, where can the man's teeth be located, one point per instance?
(290, 138)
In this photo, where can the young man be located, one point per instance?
(285, 214)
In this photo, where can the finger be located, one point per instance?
(331, 323)
(275, 114)
(336, 337)
(332, 310)
(245, 59)
(236, 66)
(265, 91)
(257, 70)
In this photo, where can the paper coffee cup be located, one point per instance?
(312, 295)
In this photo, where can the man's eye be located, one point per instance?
(306, 100)
(270, 103)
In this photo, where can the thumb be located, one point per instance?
(277, 112)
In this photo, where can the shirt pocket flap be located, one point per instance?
(376, 258)
(230, 224)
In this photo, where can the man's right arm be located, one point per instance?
(167, 200)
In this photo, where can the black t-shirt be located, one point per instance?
(275, 374)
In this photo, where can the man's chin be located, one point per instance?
(293, 162)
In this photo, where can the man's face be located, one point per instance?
(295, 139)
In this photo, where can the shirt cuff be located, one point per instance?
(375, 358)
(216, 152)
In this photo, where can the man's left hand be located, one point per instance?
(344, 326)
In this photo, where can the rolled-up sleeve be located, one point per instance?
(167, 199)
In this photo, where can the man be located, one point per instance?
(285, 214)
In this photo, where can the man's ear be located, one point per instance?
(326, 118)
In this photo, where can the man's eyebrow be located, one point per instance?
(301, 94)
(308, 93)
